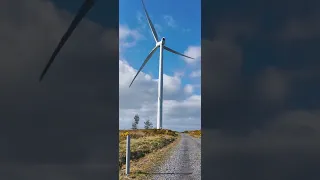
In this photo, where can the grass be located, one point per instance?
(147, 147)
(194, 133)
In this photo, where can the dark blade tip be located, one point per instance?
(42, 75)
(40, 79)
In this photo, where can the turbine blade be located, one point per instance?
(144, 63)
(175, 52)
(155, 35)
(86, 6)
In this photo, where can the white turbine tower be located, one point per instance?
(159, 44)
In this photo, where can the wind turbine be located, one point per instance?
(86, 6)
(161, 45)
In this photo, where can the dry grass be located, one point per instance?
(144, 144)
(142, 168)
(194, 133)
(136, 134)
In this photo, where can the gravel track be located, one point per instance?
(184, 162)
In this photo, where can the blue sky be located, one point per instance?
(183, 31)
(180, 23)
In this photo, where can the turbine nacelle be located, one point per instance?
(163, 40)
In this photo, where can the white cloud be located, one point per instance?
(158, 28)
(179, 74)
(180, 112)
(170, 21)
(128, 37)
(195, 74)
(194, 52)
(188, 89)
(171, 84)
(125, 32)
(140, 18)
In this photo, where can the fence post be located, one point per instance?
(128, 156)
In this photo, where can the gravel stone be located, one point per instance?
(184, 162)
